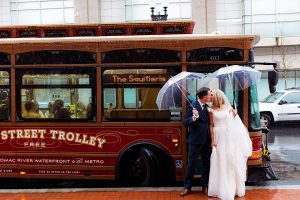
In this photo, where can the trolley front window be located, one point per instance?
(55, 94)
(254, 118)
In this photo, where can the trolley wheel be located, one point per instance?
(138, 168)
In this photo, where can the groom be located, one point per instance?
(199, 142)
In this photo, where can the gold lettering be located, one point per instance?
(61, 135)
(146, 79)
(101, 142)
(77, 139)
(42, 133)
(92, 141)
(84, 141)
(19, 133)
(4, 135)
(34, 133)
(70, 136)
(53, 132)
(131, 78)
(11, 132)
(26, 133)
(117, 79)
(55, 135)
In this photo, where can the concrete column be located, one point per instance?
(87, 11)
(94, 8)
(112, 11)
(204, 14)
(211, 16)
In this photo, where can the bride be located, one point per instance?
(231, 147)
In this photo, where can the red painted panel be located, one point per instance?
(64, 150)
(256, 143)
(87, 140)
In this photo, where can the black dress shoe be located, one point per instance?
(185, 192)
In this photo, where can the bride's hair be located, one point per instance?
(218, 98)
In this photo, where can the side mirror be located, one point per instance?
(282, 102)
(273, 80)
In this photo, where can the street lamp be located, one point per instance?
(159, 17)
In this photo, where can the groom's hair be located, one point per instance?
(202, 92)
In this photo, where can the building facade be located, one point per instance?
(18, 12)
(277, 21)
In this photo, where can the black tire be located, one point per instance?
(138, 168)
(265, 119)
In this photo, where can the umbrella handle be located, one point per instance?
(184, 95)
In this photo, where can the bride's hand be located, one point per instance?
(213, 144)
(234, 112)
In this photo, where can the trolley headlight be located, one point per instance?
(175, 139)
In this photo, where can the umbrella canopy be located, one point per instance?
(239, 77)
(170, 95)
(235, 77)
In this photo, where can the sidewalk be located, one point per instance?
(252, 193)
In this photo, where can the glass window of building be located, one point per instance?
(42, 11)
(137, 10)
(229, 16)
(271, 18)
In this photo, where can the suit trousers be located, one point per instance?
(194, 151)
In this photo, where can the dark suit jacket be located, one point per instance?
(199, 129)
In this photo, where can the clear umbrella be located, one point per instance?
(240, 77)
(237, 77)
(170, 95)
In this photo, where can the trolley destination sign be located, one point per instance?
(135, 78)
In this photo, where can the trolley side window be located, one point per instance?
(130, 95)
(141, 56)
(5, 59)
(55, 94)
(4, 95)
(56, 57)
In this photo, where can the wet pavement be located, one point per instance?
(284, 145)
(252, 193)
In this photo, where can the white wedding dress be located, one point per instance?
(228, 163)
